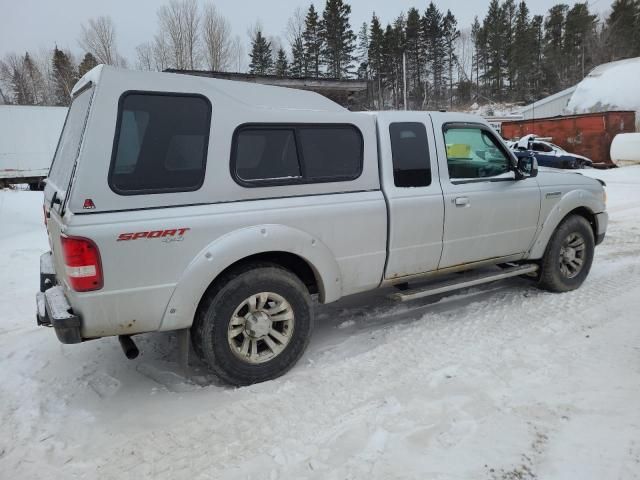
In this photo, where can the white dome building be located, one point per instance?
(611, 86)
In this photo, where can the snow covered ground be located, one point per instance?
(500, 382)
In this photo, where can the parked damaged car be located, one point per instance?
(547, 153)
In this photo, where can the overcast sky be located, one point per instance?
(35, 24)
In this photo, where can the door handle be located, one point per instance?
(461, 201)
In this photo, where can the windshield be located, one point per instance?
(70, 140)
(557, 147)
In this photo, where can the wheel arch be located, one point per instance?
(576, 202)
(297, 251)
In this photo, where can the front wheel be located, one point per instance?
(254, 324)
(569, 255)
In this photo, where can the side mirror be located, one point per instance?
(527, 167)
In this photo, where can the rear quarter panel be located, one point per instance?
(342, 236)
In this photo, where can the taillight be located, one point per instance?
(82, 263)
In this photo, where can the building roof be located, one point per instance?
(309, 83)
(350, 93)
(611, 86)
(551, 98)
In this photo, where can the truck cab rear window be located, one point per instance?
(161, 143)
(293, 154)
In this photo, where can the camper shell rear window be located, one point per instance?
(161, 143)
(70, 140)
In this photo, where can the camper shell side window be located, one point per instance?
(293, 154)
(160, 144)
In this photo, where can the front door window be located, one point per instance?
(474, 153)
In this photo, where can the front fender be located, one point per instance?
(237, 245)
(568, 202)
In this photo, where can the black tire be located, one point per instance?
(34, 186)
(555, 274)
(213, 318)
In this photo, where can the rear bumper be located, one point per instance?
(53, 308)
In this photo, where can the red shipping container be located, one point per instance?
(588, 134)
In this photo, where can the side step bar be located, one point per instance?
(465, 282)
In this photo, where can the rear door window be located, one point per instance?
(161, 143)
(70, 141)
(410, 152)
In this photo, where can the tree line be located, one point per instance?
(509, 54)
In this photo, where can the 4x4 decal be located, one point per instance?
(169, 235)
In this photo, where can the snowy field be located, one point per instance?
(499, 382)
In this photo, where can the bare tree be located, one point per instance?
(22, 80)
(464, 54)
(43, 61)
(144, 55)
(216, 37)
(179, 22)
(295, 36)
(99, 39)
(12, 76)
(238, 54)
(161, 52)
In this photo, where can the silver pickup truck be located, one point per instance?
(219, 209)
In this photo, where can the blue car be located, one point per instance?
(548, 154)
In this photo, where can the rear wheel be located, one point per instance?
(569, 255)
(254, 324)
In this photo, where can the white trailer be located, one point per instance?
(28, 139)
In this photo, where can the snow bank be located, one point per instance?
(612, 86)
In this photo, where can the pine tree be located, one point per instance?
(435, 47)
(338, 39)
(554, 65)
(34, 81)
(261, 57)
(19, 85)
(479, 53)
(508, 15)
(415, 54)
(312, 42)
(494, 28)
(622, 27)
(523, 57)
(388, 73)
(88, 62)
(451, 34)
(281, 67)
(298, 68)
(362, 52)
(580, 31)
(64, 77)
(376, 57)
(537, 77)
(394, 47)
